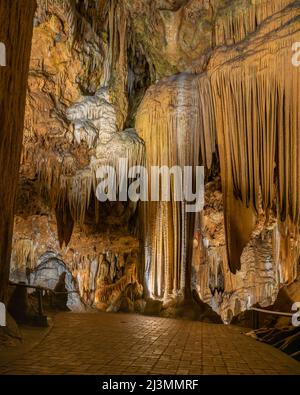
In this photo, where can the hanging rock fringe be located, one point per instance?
(24, 254)
(248, 100)
(235, 23)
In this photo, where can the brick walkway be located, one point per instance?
(130, 344)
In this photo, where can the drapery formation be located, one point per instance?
(240, 94)
(242, 17)
(76, 124)
(174, 120)
(248, 100)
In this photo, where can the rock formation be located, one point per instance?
(175, 122)
(161, 83)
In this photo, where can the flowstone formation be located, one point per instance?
(163, 83)
(172, 120)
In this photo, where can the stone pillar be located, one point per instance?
(16, 25)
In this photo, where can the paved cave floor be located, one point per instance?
(103, 343)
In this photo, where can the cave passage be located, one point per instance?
(91, 91)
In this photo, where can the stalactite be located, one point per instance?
(24, 254)
(237, 22)
(254, 149)
(65, 224)
(267, 262)
(94, 32)
(103, 277)
(70, 188)
(100, 271)
(286, 251)
(248, 97)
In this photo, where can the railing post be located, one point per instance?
(40, 301)
(255, 319)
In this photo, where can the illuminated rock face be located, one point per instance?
(255, 169)
(94, 118)
(263, 270)
(95, 122)
(164, 83)
(99, 265)
(173, 120)
(74, 120)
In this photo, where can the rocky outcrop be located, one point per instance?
(262, 272)
(280, 331)
(74, 107)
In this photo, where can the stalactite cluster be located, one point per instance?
(236, 22)
(256, 103)
(84, 100)
(70, 188)
(224, 95)
(16, 34)
(248, 104)
(266, 263)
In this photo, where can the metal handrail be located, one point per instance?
(39, 287)
(272, 312)
(255, 316)
(40, 290)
